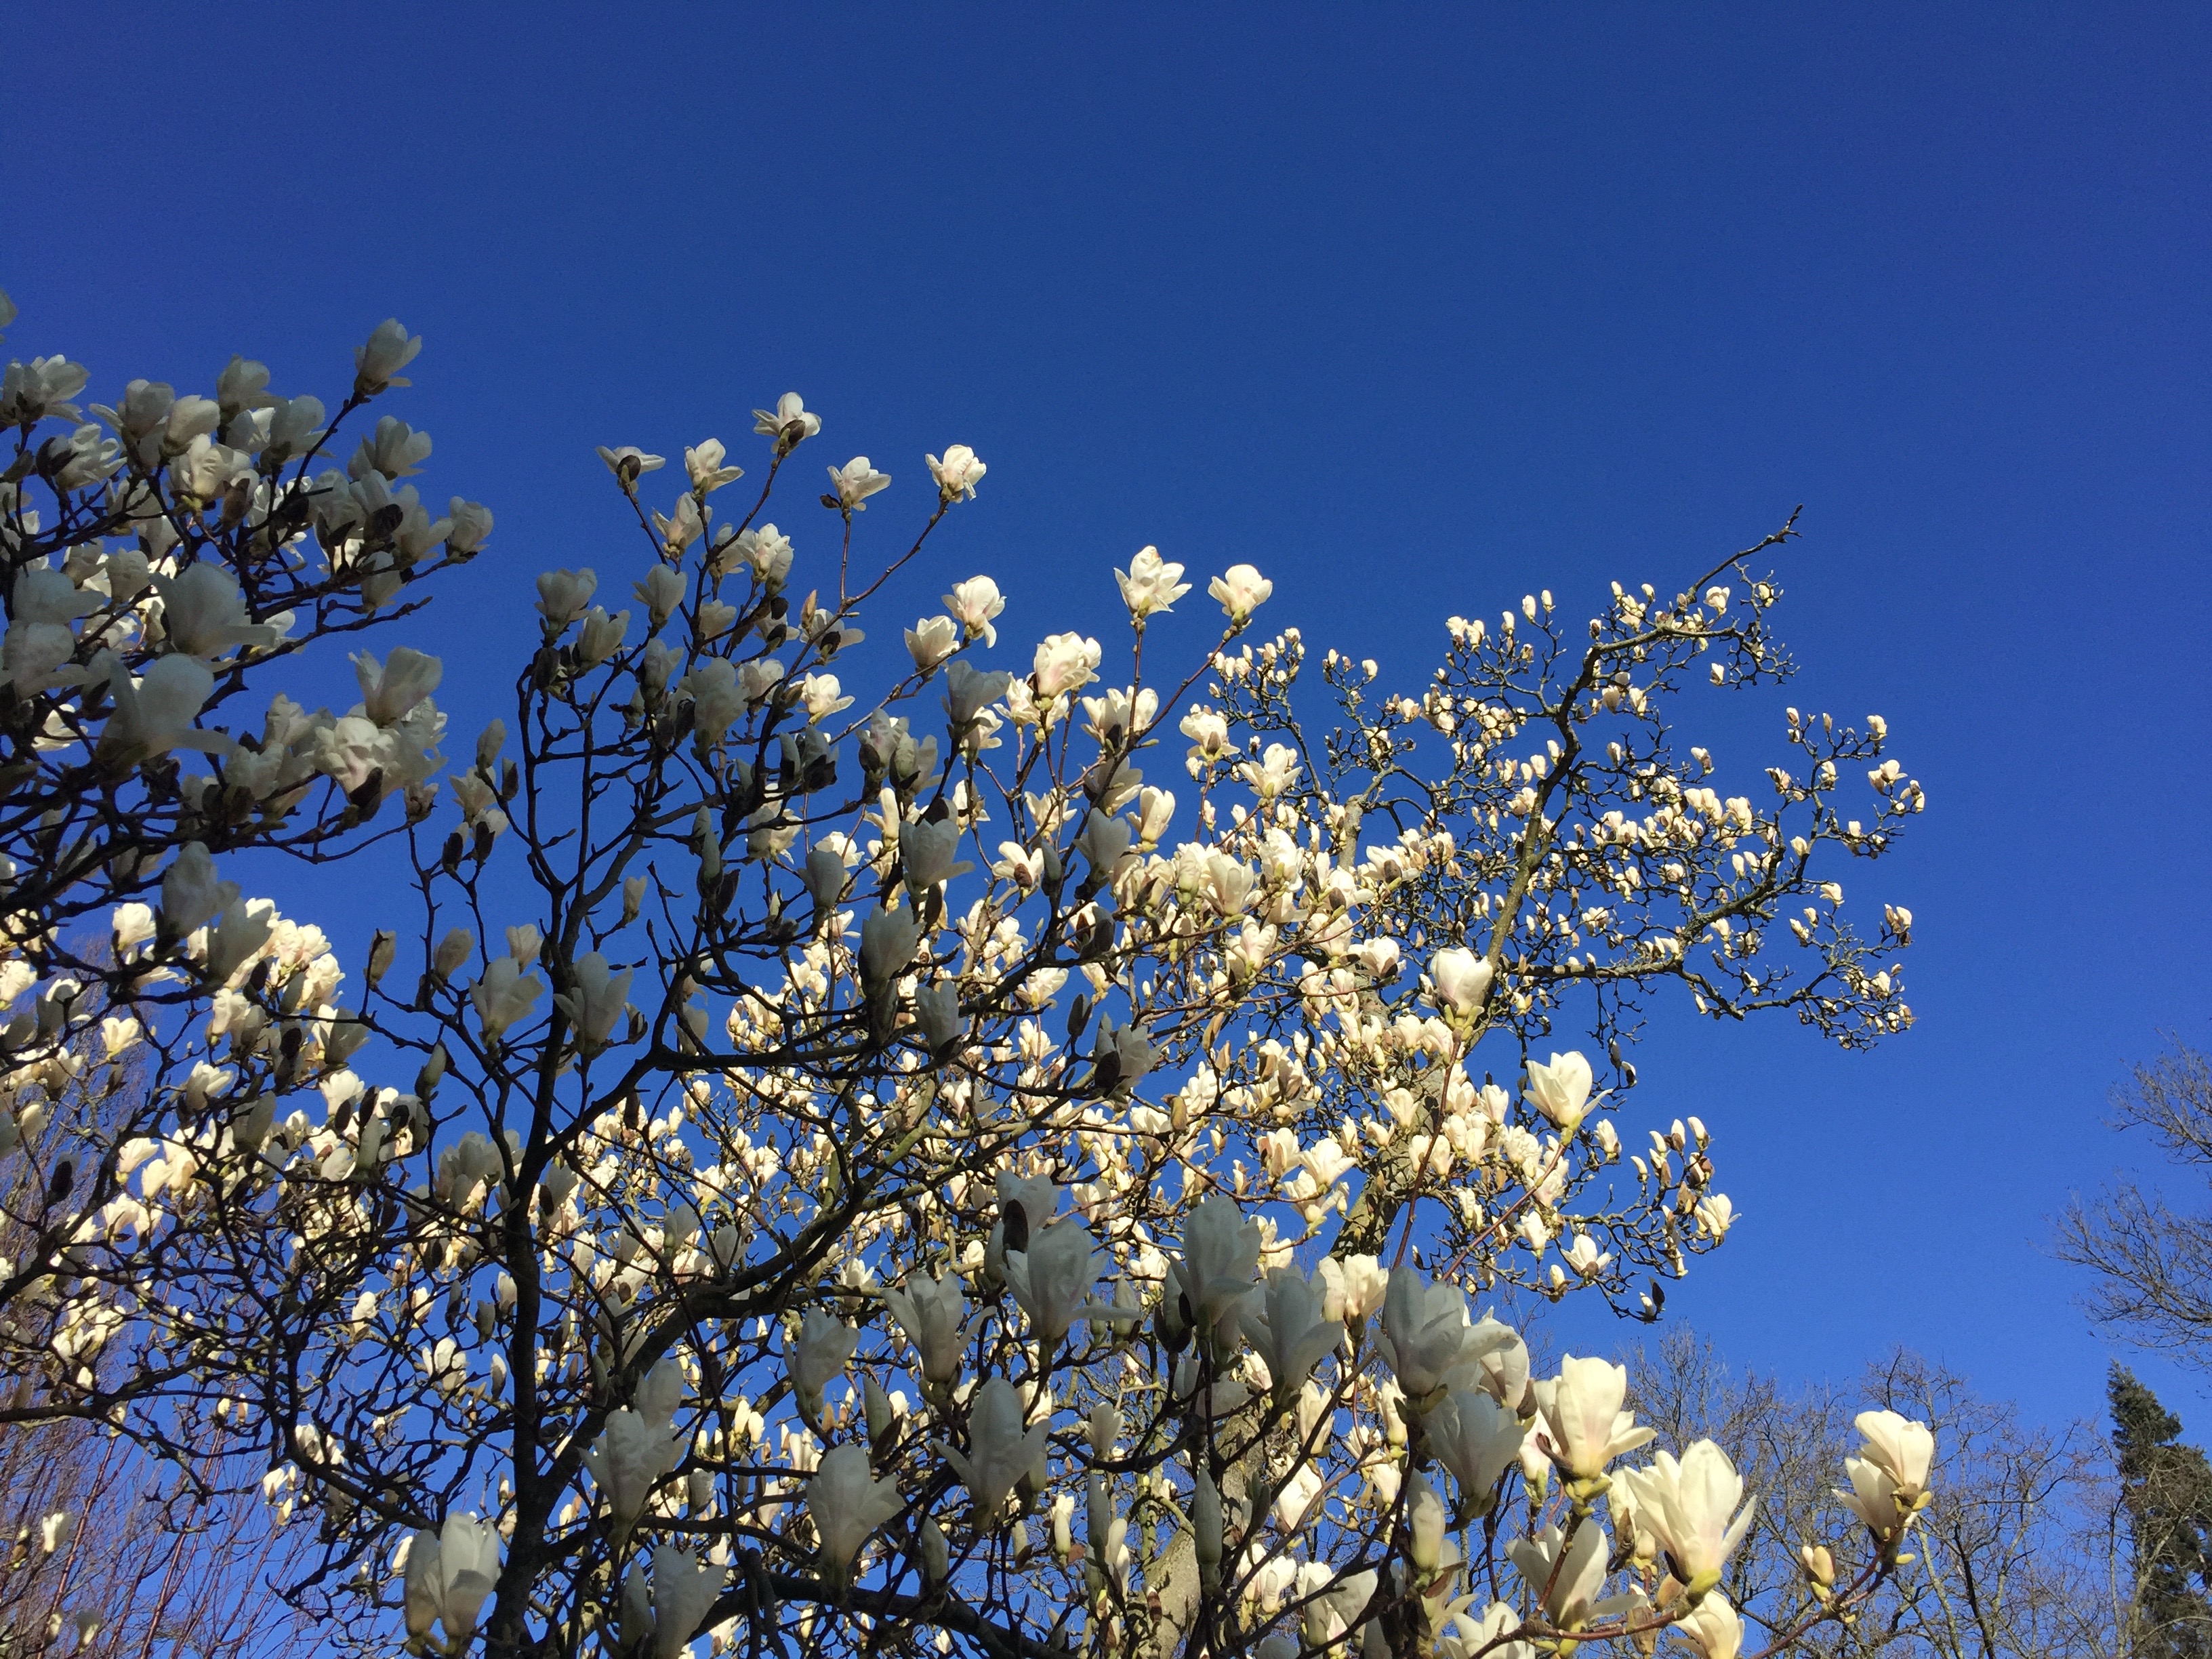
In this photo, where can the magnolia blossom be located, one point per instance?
(1150, 584)
(1241, 590)
(1475, 1438)
(824, 1345)
(1427, 1338)
(1712, 1628)
(562, 595)
(854, 482)
(628, 463)
(155, 715)
(847, 1505)
(1690, 1505)
(931, 641)
(1566, 1591)
(503, 996)
(1462, 979)
(1903, 1450)
(597, 1001)
(376, 364)
(1356, 1285)
(204, 615)
(788, 422)
(931, 852)
(976, 603)
(632, 1455)
(450, 1576)
(683, 1593)
(1052, 1278)
(1589, 1428)
(704, 467)
(390, 690)
(888, 941)
(191, 893)
(969, 690)
(1561, 1090)
(934, 1314)
(1889, 1477)
(1221, 1251)
(1287, 1329)
(958, 474)
(1064, 662)
(1000, 1449)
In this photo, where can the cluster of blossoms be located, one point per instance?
(878, 1170)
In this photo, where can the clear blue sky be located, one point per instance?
(1416, 309)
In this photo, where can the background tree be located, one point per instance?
(2013, 1561)
(2151, 1263)
(2165, 1498)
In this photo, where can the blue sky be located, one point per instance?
(1417, 310)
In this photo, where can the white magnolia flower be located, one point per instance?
(789, 423)
(847, 1505)
(958, 474)
(629, 1458)
(1900, 1448)
(394, 449)
(628, 463)
(1220, 1254)
(1560, 1091)
(503, 996)
(825, 1344)
(932, 640)
(1582, 1405)
(390, 690)
(155, 715)
(1241, 590)
(1001, 1449)
(660, 592)
(1475, 1438)
(376, 364)
(191, 894)
(1462, 979)
(562, 595)
(597, 1001)
(683, 1592)
(934, 1314)
(1713, 1628)
(1691, 1507)
(704, 467)
(1150, 584)
(450, 1576)
(1052, 1278)
(1567, 1591)
(975, 603)
(1288, 1330)
(854, 482)
(1064, 663)
(204, 613)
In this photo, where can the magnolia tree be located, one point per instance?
(978, 1147)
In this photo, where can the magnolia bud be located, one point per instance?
(1063, 1534)
(936, 1558)
(382, 948)
(1205, 1528)
(1819, 1565)
(452, 951)
(878, 1406)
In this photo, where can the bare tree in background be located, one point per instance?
(2152, 1264)
(2022, 1554)
(108, 1552)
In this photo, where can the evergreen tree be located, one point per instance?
(2167, 1488)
